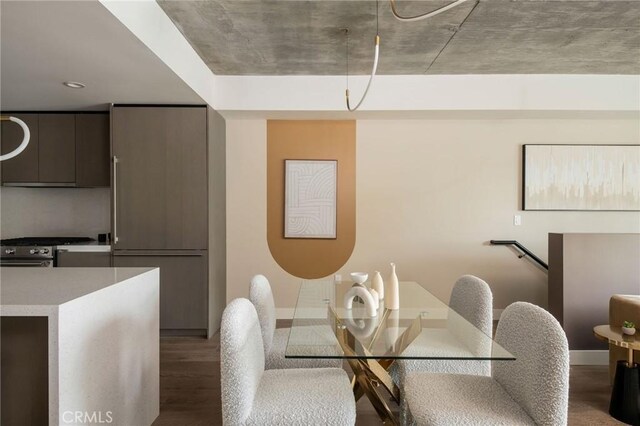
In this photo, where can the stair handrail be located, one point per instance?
(525, 251)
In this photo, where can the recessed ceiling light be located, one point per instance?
(74, 84)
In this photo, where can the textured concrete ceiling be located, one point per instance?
(295, 37)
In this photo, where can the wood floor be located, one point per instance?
(190, 388)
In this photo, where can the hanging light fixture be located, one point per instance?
(25, 139)
(373, 71)
(395, 12)
(376, 54)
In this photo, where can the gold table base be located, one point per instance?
(371, 373)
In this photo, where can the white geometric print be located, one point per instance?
(310, 198)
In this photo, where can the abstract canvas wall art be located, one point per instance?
(310, 198)
(581, 177)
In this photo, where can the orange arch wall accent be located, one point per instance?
(311, 140)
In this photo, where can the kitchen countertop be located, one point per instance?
(94, 246)
(40, 291)
(102, 340)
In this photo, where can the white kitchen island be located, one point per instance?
(101, 327)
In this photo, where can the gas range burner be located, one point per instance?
(45, 241)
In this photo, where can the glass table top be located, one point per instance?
(423, 328)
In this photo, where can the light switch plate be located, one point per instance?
(337, 277)
(517, 220)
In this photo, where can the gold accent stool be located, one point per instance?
(623, 404)
(615, 336)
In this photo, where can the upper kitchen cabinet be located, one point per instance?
(92, 150)
(24, 167)
(160, 177)
(66, 149)
(57, 149)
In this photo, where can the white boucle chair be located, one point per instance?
(532, 390)
(472, 301)
(252, 395)
(275, 339)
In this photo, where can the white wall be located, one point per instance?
(59, 212)
(500, 92)
(430, 194)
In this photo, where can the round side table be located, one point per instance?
(625, 396)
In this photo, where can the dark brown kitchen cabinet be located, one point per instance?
(92, 150)
(24, 377)
(160, 178)
(24, 167)
(183, 290)
(66, 149)
(57, 148)
(68, 259)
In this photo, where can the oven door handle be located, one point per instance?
(41, 263)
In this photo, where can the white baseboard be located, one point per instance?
(597, 357)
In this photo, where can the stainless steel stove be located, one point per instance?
(33, 251)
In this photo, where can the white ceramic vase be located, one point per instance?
(377, 284)
(375, 296)
(361, 292)
(392, 292)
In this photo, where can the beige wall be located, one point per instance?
(59, 212)
(430, 195)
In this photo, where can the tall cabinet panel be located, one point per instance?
(160, 177)
(57, 153)
(24, 167)
(92, 150)
(160, 198)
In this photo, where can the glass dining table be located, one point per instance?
(423, 327)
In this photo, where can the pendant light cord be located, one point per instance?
(435, 12)
(400, 17)
(373, 71)
(347, 75)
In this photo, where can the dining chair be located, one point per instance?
(533, 389)
(252, 395)
(471, 304)
(275, 339)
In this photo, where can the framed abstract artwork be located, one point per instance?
(581, 177)
(310, 200)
